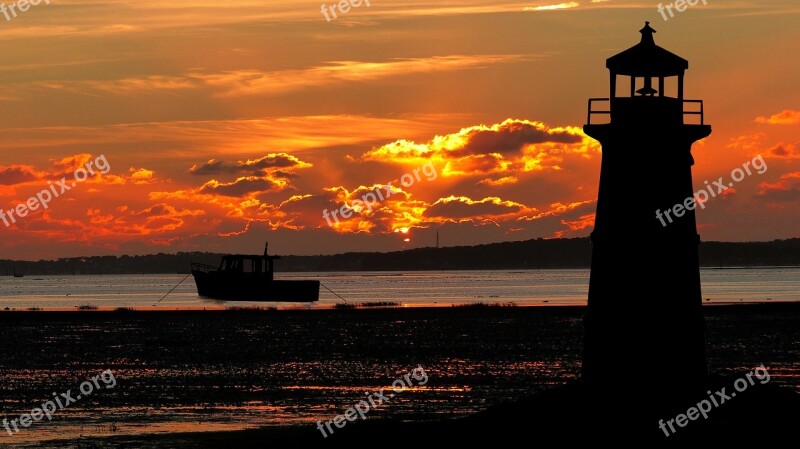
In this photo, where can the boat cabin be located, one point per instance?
(240, 263)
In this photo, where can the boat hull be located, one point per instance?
(253, 287)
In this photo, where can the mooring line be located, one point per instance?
(173, 289)
(326, 288)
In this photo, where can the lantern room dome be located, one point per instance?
(646, 59)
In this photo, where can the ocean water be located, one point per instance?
(428, 288)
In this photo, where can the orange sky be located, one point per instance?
(226, 124)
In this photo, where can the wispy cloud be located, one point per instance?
(237, 83)
(557, 6)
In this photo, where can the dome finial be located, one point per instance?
(647, 34)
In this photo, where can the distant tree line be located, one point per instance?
(529, 254)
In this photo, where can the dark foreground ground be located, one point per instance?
(289, 368)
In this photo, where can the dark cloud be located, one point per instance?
(787, 189)
(269, 162)
(211, 167)
(511, 137)
(241, 187)
(784, 151)
(156, 211)
(781, 195)
(16, 174)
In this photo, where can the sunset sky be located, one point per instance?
(226, 124)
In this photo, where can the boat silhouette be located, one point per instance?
(242, 277)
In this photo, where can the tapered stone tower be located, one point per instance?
(644, 312)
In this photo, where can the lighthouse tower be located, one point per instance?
(644, 311)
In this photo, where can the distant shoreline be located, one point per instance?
(401, 272)
(538, 254)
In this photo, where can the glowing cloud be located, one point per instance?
(513, 145)
(786, 117)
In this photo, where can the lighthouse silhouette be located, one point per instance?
(644, 310)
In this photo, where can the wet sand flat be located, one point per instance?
(230, 370)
